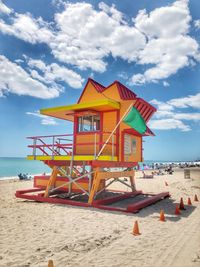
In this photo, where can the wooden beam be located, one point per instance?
(51, 181)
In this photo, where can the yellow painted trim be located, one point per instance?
(108, 102)
(76, 158)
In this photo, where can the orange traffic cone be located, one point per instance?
(196, 198)
(166, 183)
(181, 205)
(177, 211)
(162, 216)
(136, 229)
(189, 201)
(50, 263)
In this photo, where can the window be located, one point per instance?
(89, 123)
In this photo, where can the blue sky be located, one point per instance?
(48, 49)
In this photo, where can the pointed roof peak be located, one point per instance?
(99, 87)
(125, 92)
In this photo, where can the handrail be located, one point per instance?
(53, 145)
(47, 136)
(58, 135)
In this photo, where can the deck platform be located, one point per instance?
(113, 203)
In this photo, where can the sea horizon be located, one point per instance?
(13, 166)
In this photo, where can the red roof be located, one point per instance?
(99, 87)
(124, 92)
(146, 110)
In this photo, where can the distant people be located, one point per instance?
(20, 176)
(24, 176)
(169, 170)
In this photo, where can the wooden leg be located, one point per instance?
(132, 181)
(95, 186)
(51, 181)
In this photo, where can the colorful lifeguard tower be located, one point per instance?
(109, 124)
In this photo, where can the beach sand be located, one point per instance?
(32, 233)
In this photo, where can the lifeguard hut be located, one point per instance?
(109, 124)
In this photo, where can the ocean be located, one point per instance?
(11, 167)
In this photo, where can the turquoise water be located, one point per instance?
(13, 166)
(10, 167)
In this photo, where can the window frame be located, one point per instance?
(80, 127)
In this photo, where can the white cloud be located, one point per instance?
(166, 84)
(187, 116)
(162, 105)
(4, 9)
(123, 75)
(39, 64)
(169, 116)
(184, 102)
(84, 37)
(197, 24)
(14, 79)
(55, 73)
(169, 124)
(165, 43)
(165, 22)
(45, 119)
(27, 28)
(19, 61)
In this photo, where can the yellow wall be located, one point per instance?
(109, 121)
(91, 94)
(135, 155)
(86, 149)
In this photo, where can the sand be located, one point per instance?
(32, 233)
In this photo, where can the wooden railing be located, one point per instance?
(62, 145)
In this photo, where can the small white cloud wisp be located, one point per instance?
(45, 120)
(169, 114)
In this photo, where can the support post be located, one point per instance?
(95, 186)
(51, 181)
(132, 181)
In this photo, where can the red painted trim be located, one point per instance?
(124, 92)
(111, 200)
(149, 116)
(143, 109)
(101, 130)
(66, 162)
(122, 146)
(140, 105)
(43, 136)
(145, 113)
(75, 133)
(117, 134)
(146, 104)
(135, 207)
(60, 178)
(51, 200)
(112, 164)
(146, 202)
(132, 132)
(83, 91)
